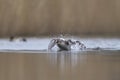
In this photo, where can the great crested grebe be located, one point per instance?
(64, 44)
(12, 38)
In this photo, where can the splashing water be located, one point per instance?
(42, 43)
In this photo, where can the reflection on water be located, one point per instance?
(64, 59)
(66, 62)
(94, 65)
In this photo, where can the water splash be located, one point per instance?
(42, 43)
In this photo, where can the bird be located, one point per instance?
(64, 44)
(21, 39)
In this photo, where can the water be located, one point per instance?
(31, 61)
(60, 66)
(41, 44)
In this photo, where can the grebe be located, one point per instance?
(64, 44)
(12, 38)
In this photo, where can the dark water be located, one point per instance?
(86, 65)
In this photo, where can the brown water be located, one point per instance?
(93, 65)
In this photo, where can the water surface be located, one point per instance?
(41, 44)
(31, 61)
(92, 65)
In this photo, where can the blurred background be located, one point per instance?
(101, 59)
(48, 17)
